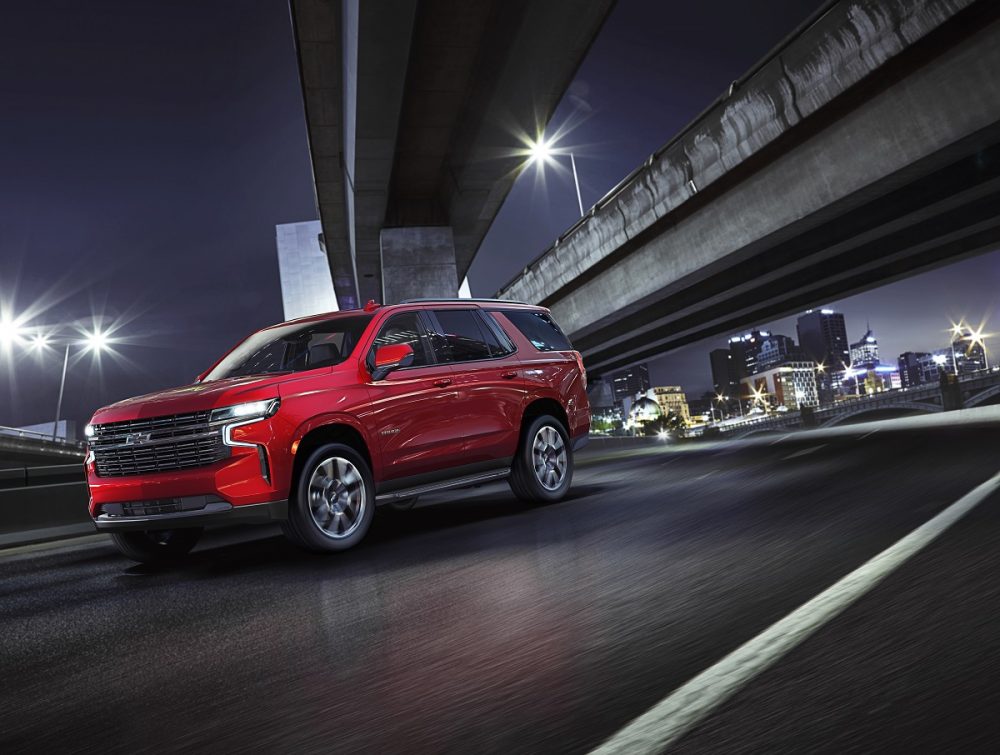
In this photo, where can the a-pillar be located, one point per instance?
(418, 263)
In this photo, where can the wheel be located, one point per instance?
(543, 467)
(156, 546)
(333, 502)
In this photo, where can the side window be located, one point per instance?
(539, 328)
(457, 336)
(405, 328)
(500, 340)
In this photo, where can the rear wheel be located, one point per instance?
(543, 468)
(334, 500)
(156, 546)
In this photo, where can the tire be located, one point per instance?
(157, 546)
(543, 469)
(333, 501)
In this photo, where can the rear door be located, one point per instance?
(487, 376)
(411, 407)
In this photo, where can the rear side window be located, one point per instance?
(539, 328)
(459, 335)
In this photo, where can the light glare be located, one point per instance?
(540, 151)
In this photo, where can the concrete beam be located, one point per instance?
(418, 263)
(849, 127)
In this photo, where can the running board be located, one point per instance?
(433, 487)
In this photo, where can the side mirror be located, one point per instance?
(391, 357)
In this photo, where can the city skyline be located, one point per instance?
(914, 314)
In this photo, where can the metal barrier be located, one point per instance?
(43, 503)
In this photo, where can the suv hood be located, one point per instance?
(192, 398)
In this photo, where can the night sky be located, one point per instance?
(147, 150)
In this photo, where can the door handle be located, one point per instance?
(442, 383)
(509, 375)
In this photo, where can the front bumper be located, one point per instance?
(187, 511)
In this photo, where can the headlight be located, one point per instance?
(247, 411)
(89, 431)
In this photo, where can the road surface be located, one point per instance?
(475, 623)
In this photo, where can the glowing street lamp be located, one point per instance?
(543, 152)
(95, 341)
(11, 332)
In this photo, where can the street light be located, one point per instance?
(94, 341)
(543, 152)
(11, 332)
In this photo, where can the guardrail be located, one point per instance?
(43, 503)
(18, 432)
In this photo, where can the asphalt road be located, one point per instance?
(477, 624)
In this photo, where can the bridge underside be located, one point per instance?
(895, 175)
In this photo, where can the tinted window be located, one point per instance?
(499, 337)
(539, 328)
(458, 336)
(291, 348)
(405, 328)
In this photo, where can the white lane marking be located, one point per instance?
(675, 715)
(803, 452)
(867, 434)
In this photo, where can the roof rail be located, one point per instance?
(459, 301)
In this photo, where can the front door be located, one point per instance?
(411, 407)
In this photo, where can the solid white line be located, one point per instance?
(676, 714)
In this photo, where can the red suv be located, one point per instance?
(314, 422)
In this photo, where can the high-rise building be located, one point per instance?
(791, 385)
(304, 270)
(774, 350)
(969, 353)
(917, 368)
(864, 353)
(745, 350)
(671, 399)
(823, 339)
(631, 382)
(725, 378)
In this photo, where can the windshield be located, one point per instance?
(293, 348)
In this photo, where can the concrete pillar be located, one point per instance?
(417, 263)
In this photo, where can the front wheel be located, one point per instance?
(156, 546)
(543, 468)
(333, 503)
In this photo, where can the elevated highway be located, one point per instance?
(864, 149)
(416, 113)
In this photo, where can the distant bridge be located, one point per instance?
(975, 391)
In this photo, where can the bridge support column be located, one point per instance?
(418, 263)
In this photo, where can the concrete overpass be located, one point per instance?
(863, 149)
(413, 110)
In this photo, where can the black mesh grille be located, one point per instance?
(157, 444)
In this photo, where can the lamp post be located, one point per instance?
(542, 152)
(95, 341)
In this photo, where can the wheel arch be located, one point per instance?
(540, 407)
(330, 432)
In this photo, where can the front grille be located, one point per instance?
(158, 444)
